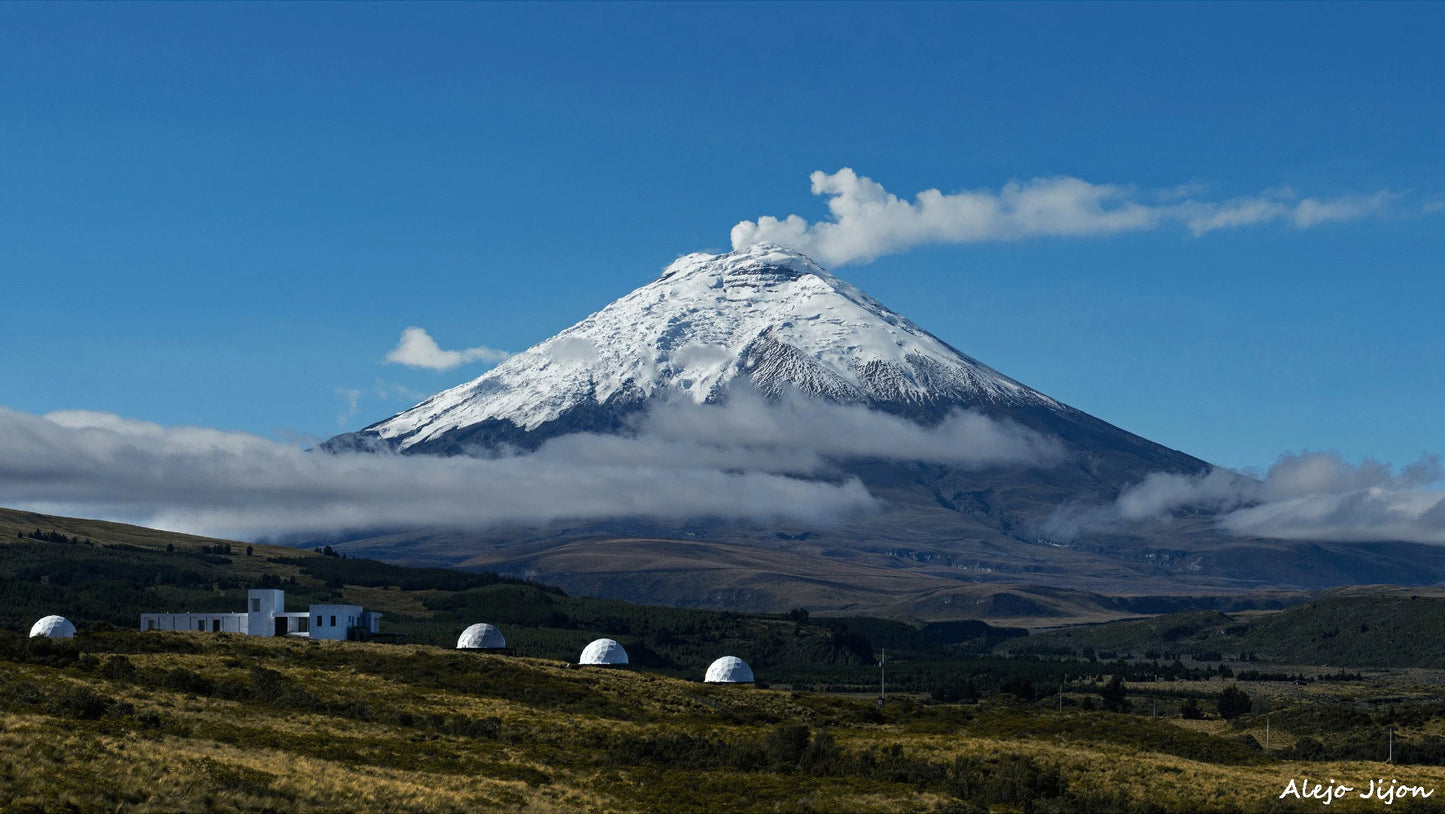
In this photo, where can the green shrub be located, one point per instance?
(79, 702)
(1190, 711)
(784, 746)
(183, 680)
(1233, 702)
(118, 668)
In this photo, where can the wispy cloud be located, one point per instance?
(868, 222)
(1203, 217)
(1304, 496)
(351, 397)
(382, 391)
(418, 349)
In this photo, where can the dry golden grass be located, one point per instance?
(362, 727)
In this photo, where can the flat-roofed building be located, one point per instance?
(266, 615)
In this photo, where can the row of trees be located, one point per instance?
(52, 537)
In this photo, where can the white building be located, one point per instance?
(604, 652)
(481, 636)
(266, 615)
(729, 670)
(53, 627)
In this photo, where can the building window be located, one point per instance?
(318, 621)
(150, 624)
(255, 605)
(303, 625)
(333, 621)
(201, 625)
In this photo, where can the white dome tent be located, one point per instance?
(604, 652)
(481, 636)
(729, 670)
(53, 627)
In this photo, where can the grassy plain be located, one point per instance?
(190, 721)
(121, 720)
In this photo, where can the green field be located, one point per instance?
(1352, 629)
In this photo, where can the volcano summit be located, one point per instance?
(764, 318)
(766, 323)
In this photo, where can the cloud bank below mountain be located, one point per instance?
(750, 461)
(745, 461)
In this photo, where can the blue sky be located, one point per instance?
(224, 215)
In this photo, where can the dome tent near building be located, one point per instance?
(604, 652)
(729, 670)
(481, 636)
(53, 627)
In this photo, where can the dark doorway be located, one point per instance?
(215, 625)
(280, 626)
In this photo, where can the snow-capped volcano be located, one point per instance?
(765, 315)
(768, 320)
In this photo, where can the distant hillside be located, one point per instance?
(103, 575)
(1380, 627)
(99, 573)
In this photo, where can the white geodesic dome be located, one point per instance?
(53, 627)
(603, 651)
(481, 636)
(729, 670)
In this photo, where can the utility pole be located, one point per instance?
(882, 679)
(1266, 732)
(1391, 759)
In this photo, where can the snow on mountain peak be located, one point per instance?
(762, 313)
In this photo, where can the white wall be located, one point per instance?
(332, 621)
(263, 605)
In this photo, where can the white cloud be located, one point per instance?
(242, 486)
(383, 391)
(800, 436)
(748, 460)
(571, 350)
(1204, 217)
(418, 349)
(1310, 212)
(742, 461)
(797, 428)
(1161, 493)
(869, 222)
(352, 397)
(1304, 496)
(1320, 496)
